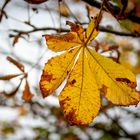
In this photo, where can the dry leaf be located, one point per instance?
(27, 95)
(62, 42)
(64, 11)
(35, 1)
(17, 64)
(12, 93)
(8, 77)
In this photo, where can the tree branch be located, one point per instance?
(104, 29)
(115, 9)
(116, 121)
(2, 12)
(101, 28)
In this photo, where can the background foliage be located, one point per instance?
(21, 28)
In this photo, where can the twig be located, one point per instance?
(72, 14)
(104, 29)
(2, 12)
(135, 114)
(115, 8)
(116, 121)
(101, 28)
(59, 16)
(40, 29)
(51, 15)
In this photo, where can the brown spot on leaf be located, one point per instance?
(72, 82)
(62, 102)
(103, 90)
(53, 78)
(72, 118)
(67, 72)
(50, 60)
(48, 77)
(74, 27)
(68, 37)
(71, 115)
(64, 37)
(71, 51)
(132, 84)
(127, 81)
(123, 80)
(45, 92)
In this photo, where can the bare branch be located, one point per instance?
(101, 28)
(116, 10)
(2, 12)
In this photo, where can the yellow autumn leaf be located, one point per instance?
(62, 42)
(80, 99)
(89, 74)
(91, 32)
(120, 83)
(56, 70)
(77, 28)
